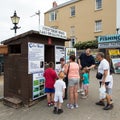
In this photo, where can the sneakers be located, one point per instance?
(55, 110)
(78, 90)
(82, 93)
(101, 103)
(108, 107)
(60, 111)
(76, 106)
(70, 106)
(49, 105)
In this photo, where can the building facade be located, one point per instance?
(83, 20)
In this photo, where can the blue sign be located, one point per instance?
(109, 38)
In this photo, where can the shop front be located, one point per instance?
(110, 45)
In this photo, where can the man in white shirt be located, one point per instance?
(104, 69)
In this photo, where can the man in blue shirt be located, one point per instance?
(86, 60)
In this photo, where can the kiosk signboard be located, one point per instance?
(49, 31)
(35, 57)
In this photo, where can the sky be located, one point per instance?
(25, 9)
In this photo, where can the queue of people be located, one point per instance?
(66, 84)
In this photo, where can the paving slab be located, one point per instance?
(87, 109)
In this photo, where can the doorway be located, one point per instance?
(49, 53)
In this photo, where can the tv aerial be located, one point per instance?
(38, 14)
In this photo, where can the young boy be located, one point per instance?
(50, 77)
(59, 93)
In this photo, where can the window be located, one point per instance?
(98, 4)
(72, 42)
(15, 49)
(98, 25)
(72, 30)
(53, 16)
(72, 11)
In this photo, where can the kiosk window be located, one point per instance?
(15, 49)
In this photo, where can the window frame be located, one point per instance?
(73, 7)
(97, 26)
(96, 6)
(54, 16)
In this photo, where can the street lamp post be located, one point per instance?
(15, 20)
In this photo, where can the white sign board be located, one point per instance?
(48, 31)
(35, 57)
(59, 53)
(109, 45)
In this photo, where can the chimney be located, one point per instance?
(54, 4)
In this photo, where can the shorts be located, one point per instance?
(109, 91)
(85, 86)
(49, 90)
(73, 81)
(106, 83)
(58, 98)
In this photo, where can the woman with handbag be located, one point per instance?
(73, 79)
(103, 76)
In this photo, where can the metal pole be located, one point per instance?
(39, 19)
(15, 27)
(38, 13)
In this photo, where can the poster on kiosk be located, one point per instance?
(59, 53)
(36, 68)
(62, 52)
(68, 52)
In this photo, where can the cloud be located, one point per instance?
(24, 9)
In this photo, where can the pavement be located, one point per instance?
(87, 109)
